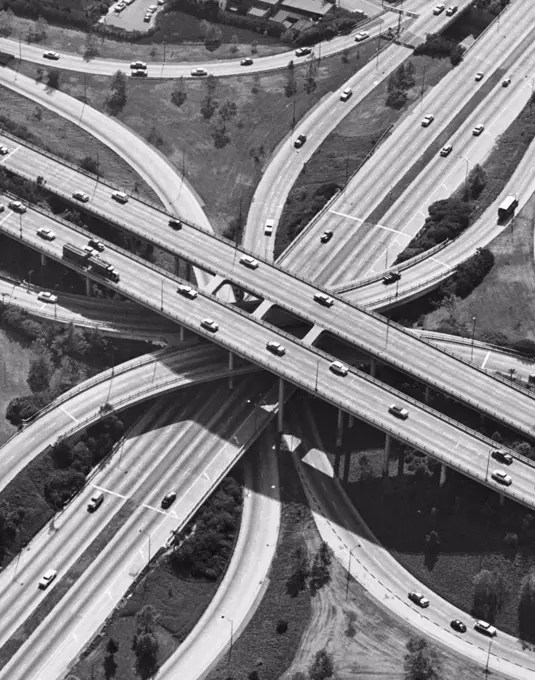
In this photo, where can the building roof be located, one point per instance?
(319, 7)
(259, 12)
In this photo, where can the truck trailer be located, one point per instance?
(507, 208)
(75, 254)
(104, 269)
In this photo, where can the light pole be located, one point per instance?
(231, 634)
(317, 372)
(349, 567)
(488, 465)
(379, 42)
(161, 301)
(144, 531)
(473, 334)
(488, 658)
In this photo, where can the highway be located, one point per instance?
(511, 50)
(386, 341)
(198, 450)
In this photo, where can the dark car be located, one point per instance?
(391, 277)
(300, 141)
(246, 62)
(326, 236)
(175, 224)
(502, 456)
(168, 499)
(458, 625)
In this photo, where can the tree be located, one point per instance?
(488, 595)
(39, 31)
(146, 619)
(208, 107)
(146, 648)
(52, 78)
(90, 164)
(112, 647)
(421, 661)
(526, 608)
(40, 373)
(254, 47)
(117, 97)
(234, 42)
(179, 94)
(90, 50)
(212, 38)
(290, 87)
(298, 579)
(431, 549)
(322, 667)
(477, 180)
(227, 111)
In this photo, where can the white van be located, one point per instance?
(268, 229)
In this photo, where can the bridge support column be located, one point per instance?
(230, 368)
(401, 462)
(182, 333)
(350, 421)
(347, 460)
(337, 457)
(443, 473)
(43, 260)
(373, 367)
(280, 415)
(427, 395)
(340, 428)
(88, 287)
(177, 265)
(502, 499)
(386, 456)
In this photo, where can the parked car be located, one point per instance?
(323, 299)
(4, 150)
(51, 55)
(502, 456)
(391, 277)
(175, 224)
(96, 244)
(210, 325)
(186, 291)
(45, 296)
(80, 196)
(458, 625)
(249, 262)
(339, 368)
(302, 51)
(398, 411)
(485, 628)
(276, 348)
(446, 150)
(346, 94)
(362, 35)
(119, 196)
(301, 139)
(168, 499)
(47, 578)
(326, 236)
(427, 120)
(18, 207)
(47, 234)
(478, 130)
(199, 72)
(95, 502)
(501, 477)
(246, 62)
(418, 599)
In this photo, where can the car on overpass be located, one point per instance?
(186, 291)
(47, 234)
(119, 196)
(479, 75)
(4, 150)
(458, 625)
(249, 262)
(269, 226)
(339, 368)
(47, 578)
(439, 9)
(502, 456)
(276, 348)
(501, 477)
(18, 207)
(485, 628)
(391, 277)
(210, 325)
(95, 501)
(45, 296)
(175, 224)
(362, 35)
(302, 51)
(451, 10)
(323, 299)
(96, 244)
(51, 55)
(398, 411)
(418, 599)
(81, 196)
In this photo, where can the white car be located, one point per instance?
(45, 296)
(96, 244)
(89, 250)
(51, 55)
(438, 9)
(501, 477)
(479, 75)
(249, 261)
(346, 94)
(186, 291)
(269, 226)
(47, 234)
(485, 628)
(275, 348)
(210, 325)
(119, 196)
(446, 150)
(81, 196)
(199, 72)
(323, 299)
(362, 35)
(17, 206)
(418, 599)
(138, 65)
(339, 368)
(399, 412)
(478, 130)
(427, 120)
(47, 578)
(4, 150)
(95, 502)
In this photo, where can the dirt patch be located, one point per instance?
(14, 365)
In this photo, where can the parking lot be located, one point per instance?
(132, 16)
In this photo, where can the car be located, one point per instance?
(326, 236)
(186, 291)
(323, 299)
(96, 244)
(485, 628)
(147, 17)
(479, 75)
(95, 502)
(199, 72)
(418, 599)
(45, 296)
(438, 9)
(246, 62)
(451, 10)
(458, 625)
(339, 368)
(501, 477)
(446, 150)
(81, 196)
(4, 150)
(210, 325)
(152, 8)
(249, 261)
(362, 35)
(47, 578)
(51, 55)
(175, 224)
(161, 2)
(301, 139)
(427, 120)
(119, 196)
(268, 227)
(391, 277)
(138, 65)
(47, 234)
(138, 73)
(276, 348)
(346, 94)
(506, 81)
(478, 130)
(398, 411)
(119, 8)
(302, 51)
(502, 456)
(18, 207)
(2, 207)
(168, 499)
(90, 251)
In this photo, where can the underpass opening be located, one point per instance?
(284, 320)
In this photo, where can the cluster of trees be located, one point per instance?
(399, 83)
(226, 112)
(493, 6)
(471, 273)
(145, 642)
(337, 21)
(304, 574)
(436, 45)
(116, 100)
(421, 661)
(210, 535)
(54, 11)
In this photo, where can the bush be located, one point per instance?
(436, 45)
(62, 486)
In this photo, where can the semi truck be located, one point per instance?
(104, 269)
(507, 208)
(75, 254)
